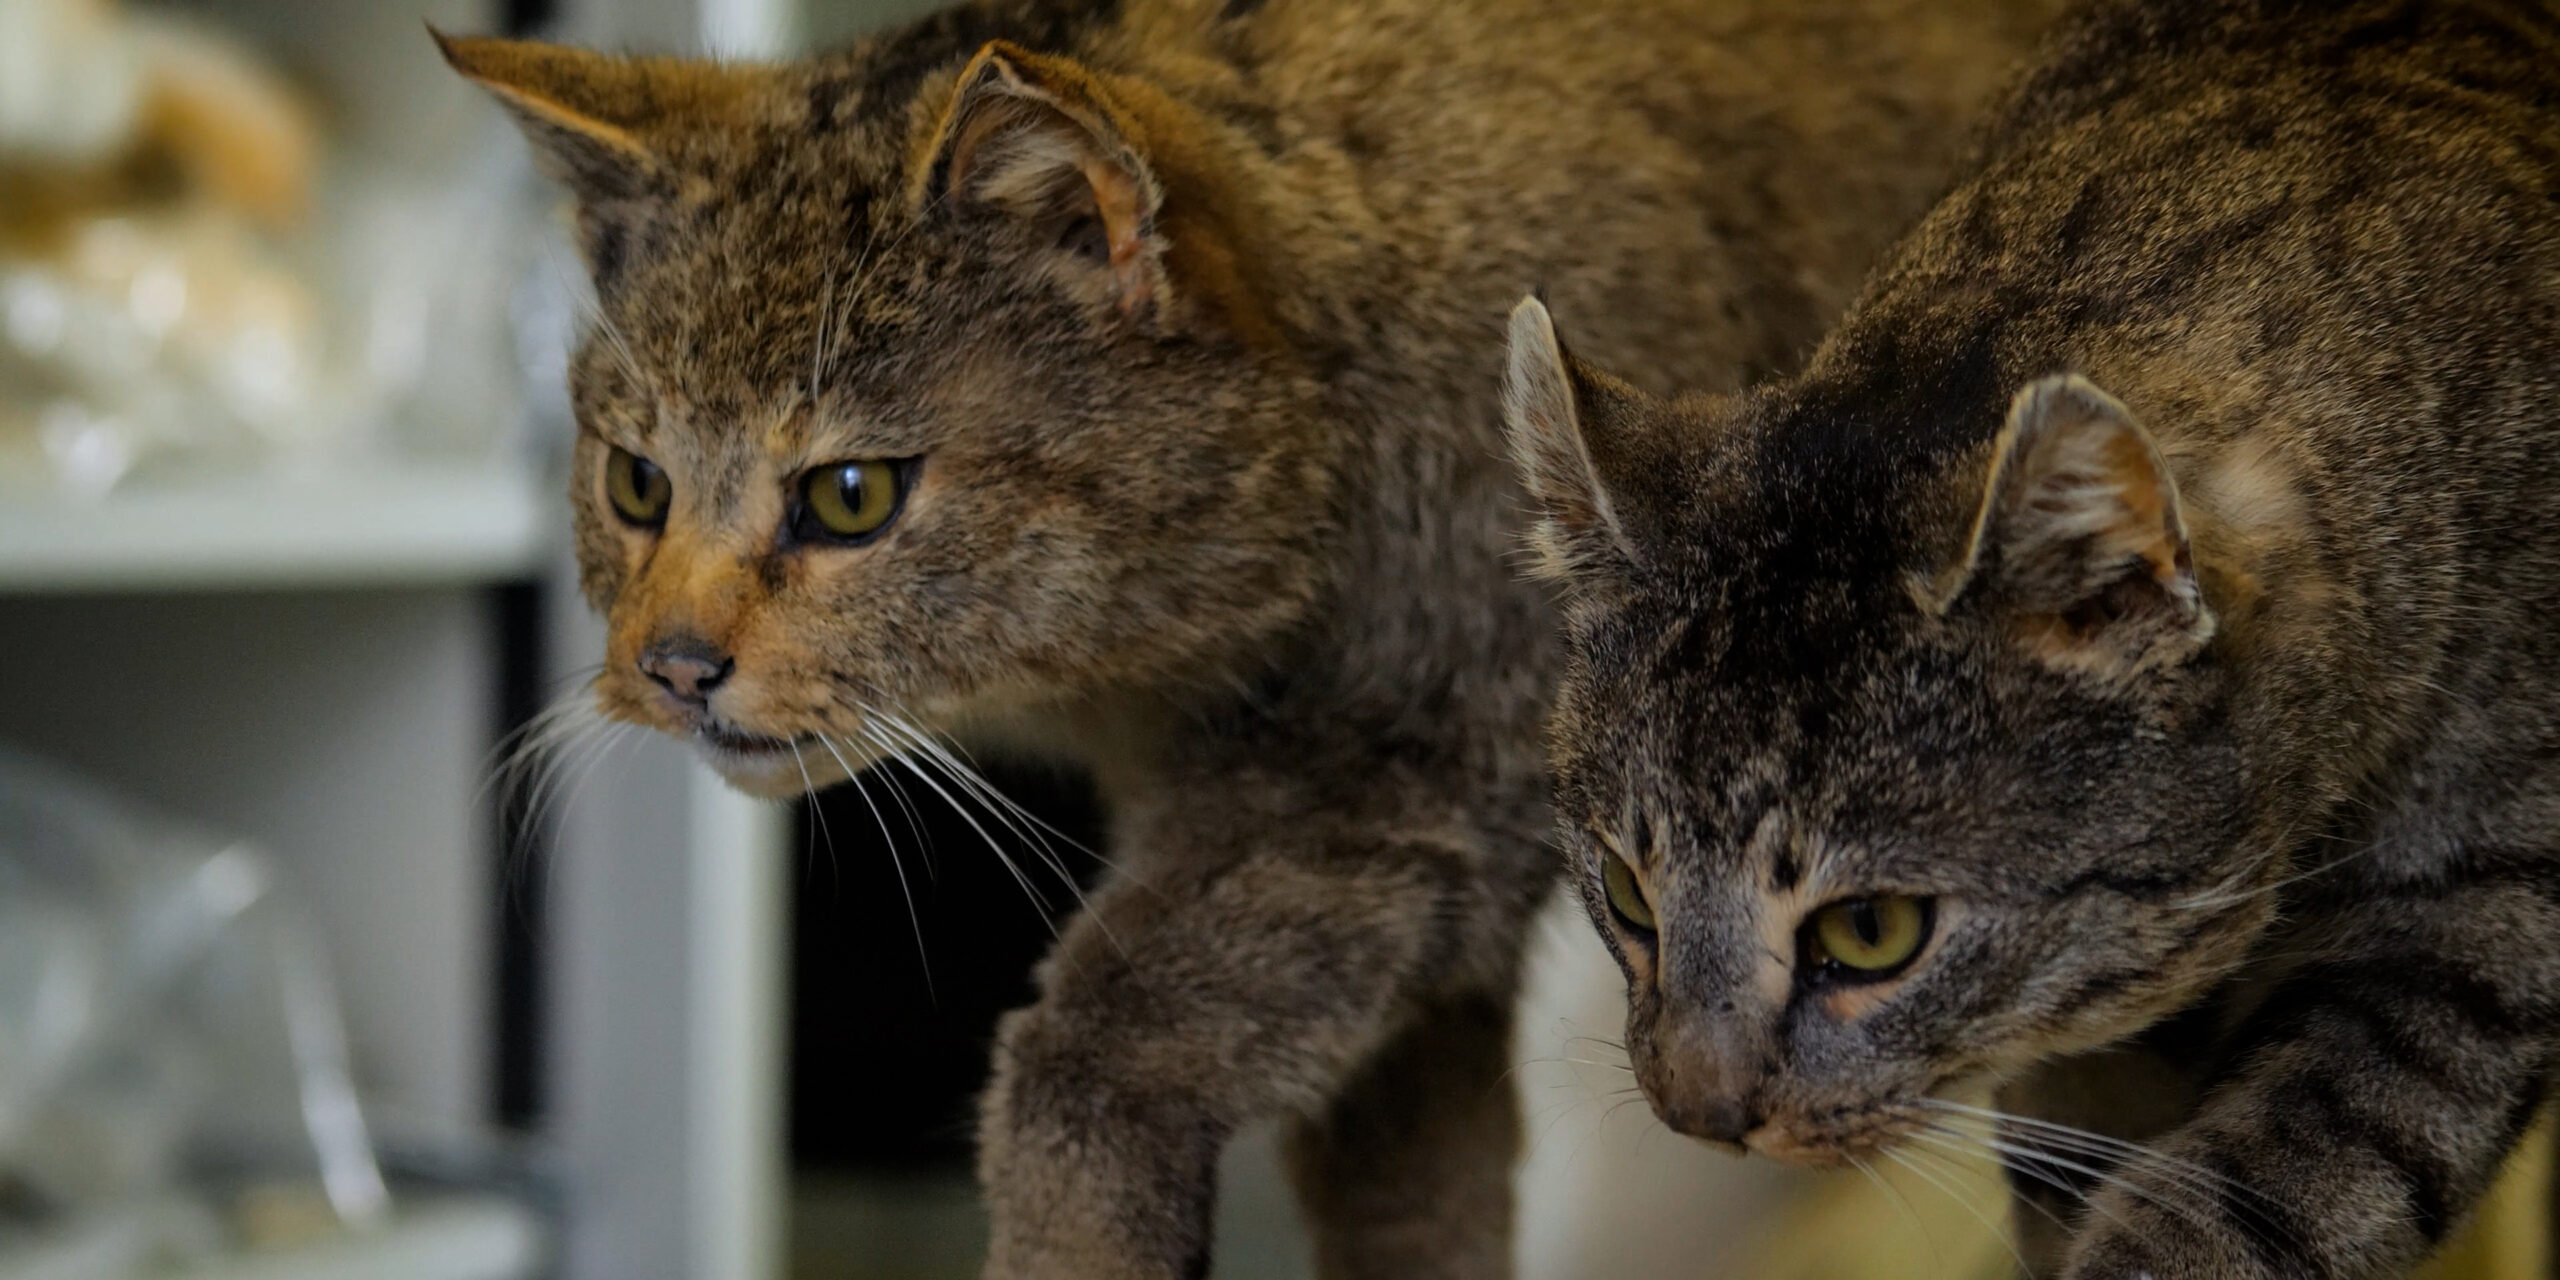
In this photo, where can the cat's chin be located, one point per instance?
(760, 778)
(1829, 1145)
(777, 768)
(771, 773)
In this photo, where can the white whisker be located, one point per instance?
(1910, 1212)
(2087, 1142)
(1039, 903)
(1024, 824)
(897, 862)
(2180, 1186)
(1909, 1158)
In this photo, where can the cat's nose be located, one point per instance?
(687, 666)
(1704, 1076)
(1720, 1120)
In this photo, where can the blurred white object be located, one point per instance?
(85, 86)
(70, 81)
(180, 290)
(168, 331)
(167, 1028)
(143, 308)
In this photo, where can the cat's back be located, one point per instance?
(2160, 53)
(2316, 249)
(1415, 165)
(2336, 223)
(2346, 213)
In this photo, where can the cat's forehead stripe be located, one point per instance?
(1791, 859)
(1769, 837)
(786, 428)
(1786, 862)
(830, 435)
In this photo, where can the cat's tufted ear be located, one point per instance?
(1038, 143)
(2080, 544)
(1551, 408)
(602, 125)
(596, 121)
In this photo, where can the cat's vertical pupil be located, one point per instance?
(847, 501)
(639, 491)
(1864, 920)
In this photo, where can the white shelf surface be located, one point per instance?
(455, 1238)
(439, 1237)
(351, 523)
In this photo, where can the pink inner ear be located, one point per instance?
(1115, 198)
(2149, 527)
(1033, 159)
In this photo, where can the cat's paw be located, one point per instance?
(2150, 1247)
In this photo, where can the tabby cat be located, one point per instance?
(1120, 377)
(2120, 665)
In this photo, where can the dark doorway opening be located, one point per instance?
(889, 1035)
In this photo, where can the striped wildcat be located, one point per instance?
(2120, 667)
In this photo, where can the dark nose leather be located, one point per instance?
(686, 666)
(1704, 1074)
(1725, 1120)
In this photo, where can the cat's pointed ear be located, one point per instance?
(1546, 400)
(2080, 543)
(1037, 142)
(596, 121)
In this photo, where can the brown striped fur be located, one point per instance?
(2154, 569)
(1189, 315)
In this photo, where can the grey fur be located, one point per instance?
(2217, 710)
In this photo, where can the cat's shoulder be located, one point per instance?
(2151, 54)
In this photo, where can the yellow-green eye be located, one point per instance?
(639, 490)
(1868, 938)
(1625, 896)
(847, 501)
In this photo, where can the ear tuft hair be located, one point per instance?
(1577, 529)
(600, 124)
(1037, 142)
(2080, 543)
(593, 118)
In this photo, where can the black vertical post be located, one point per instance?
(527, 17)
(522, 874)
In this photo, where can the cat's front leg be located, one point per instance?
(1179, 1009)
(1408, 1171)
(2366, 1105)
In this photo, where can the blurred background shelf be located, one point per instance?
(347, 523)
(449, 1237)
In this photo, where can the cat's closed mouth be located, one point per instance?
(739, 742)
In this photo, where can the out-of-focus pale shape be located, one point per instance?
(71, 82)
(173, 300)
(89, 453)
(84, 86)
(168, 1036)
(143, 318)
(166, 333)
(31, 313)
